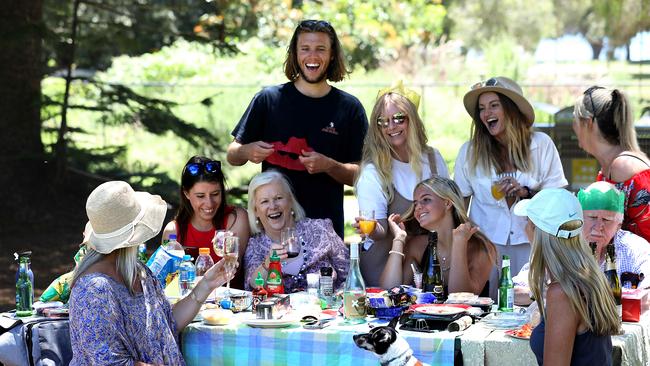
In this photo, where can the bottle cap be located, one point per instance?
(172, 236)
(187, 257)
(259, 281)
(204, 251)
(274, 256)
(325, 271)
(506, 256)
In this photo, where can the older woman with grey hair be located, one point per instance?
(272, 207)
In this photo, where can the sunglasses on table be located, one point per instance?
(397, 118)
(488, 82)
(208, 167)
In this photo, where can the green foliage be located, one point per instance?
(504, 57)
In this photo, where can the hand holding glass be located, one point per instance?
(290, 242)
(367, 225)
(218, 240)
(231, 252)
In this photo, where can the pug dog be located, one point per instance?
(391, 349)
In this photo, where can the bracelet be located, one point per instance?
(396, 252)
(193, 297)
(399, 240)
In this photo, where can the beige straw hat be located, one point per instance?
(121, 217)
(502, 85)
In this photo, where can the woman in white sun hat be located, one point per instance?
(504, 152)
(578, 311)
(118, 311)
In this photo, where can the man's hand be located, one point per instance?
(255, 152)
(316, 162)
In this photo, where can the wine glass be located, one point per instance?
(367, 224)
(230, 254)
(217, 241)
(290, 242)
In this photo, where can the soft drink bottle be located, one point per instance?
(204, 262)
(187, 275)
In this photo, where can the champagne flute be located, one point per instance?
(231, 252)
(289, 242)
(217, 241)
(367, 224)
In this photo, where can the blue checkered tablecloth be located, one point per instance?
(239, 344)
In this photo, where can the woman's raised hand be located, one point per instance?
(463, 232)
(397, 226)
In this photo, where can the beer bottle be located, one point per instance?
(613, 280)
(432, 276)
(506, 287)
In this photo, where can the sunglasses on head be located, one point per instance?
(397, 118)
(208, 167)
(488, 82)
(590, 91)
(312, 24)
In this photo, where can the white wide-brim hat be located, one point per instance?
(551, 208)
(502, 85)
(122, 218)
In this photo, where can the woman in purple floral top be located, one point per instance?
(118, 312)
(273, 207)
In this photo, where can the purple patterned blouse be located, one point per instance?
(109, 326)
(321, 247)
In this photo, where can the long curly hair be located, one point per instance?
(378, 151)
(487, 152)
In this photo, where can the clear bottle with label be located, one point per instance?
(354, 295)
(24, 288)
(187, 275)
(506, 287)
(203, 262)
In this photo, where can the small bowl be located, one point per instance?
(216, 316)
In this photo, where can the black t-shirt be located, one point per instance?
(334, 125)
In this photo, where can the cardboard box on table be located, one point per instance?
(635, 303)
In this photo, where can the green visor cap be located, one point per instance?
(602, 197)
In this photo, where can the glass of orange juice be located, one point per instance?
(367, 225)
(497, 193)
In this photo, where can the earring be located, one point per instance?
(257, 221)
(293, 214)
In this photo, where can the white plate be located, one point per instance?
(440, 310)
(268, 323)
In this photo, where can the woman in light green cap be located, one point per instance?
(603, 208)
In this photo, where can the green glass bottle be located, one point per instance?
(24, 289)
(506, 287)
(432, 276)
(612, 278)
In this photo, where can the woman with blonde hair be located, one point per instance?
(396, 157)
(465, 254)
(578, 311)
(605, 129)
(504, 161)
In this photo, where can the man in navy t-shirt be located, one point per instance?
(307, 129)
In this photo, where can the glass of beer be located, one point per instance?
(497, 193)
(367, 224)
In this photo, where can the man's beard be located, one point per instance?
(318, 78)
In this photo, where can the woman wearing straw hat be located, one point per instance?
(605, 129)
(578, 311)
(118, 311)
(395, 158)
(504, 161)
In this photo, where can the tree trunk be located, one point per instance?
(21, 150)
(596, 48)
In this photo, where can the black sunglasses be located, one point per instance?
(488, 82)
(314, 25)
(397, 118)
(590, 91)
(209, 167)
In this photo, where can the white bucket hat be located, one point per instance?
(121, 218)
(550, 209)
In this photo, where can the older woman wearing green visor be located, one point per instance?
(603, 208)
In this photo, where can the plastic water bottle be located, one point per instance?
(142, 252)
(175, 248)
(187, 275)
(204, 262)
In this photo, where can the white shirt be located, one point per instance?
(495, 219)
(370, 194)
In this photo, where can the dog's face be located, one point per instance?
(378, 340)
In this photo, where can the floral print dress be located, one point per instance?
(320, 245)
(109, 326)
(637, 202)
